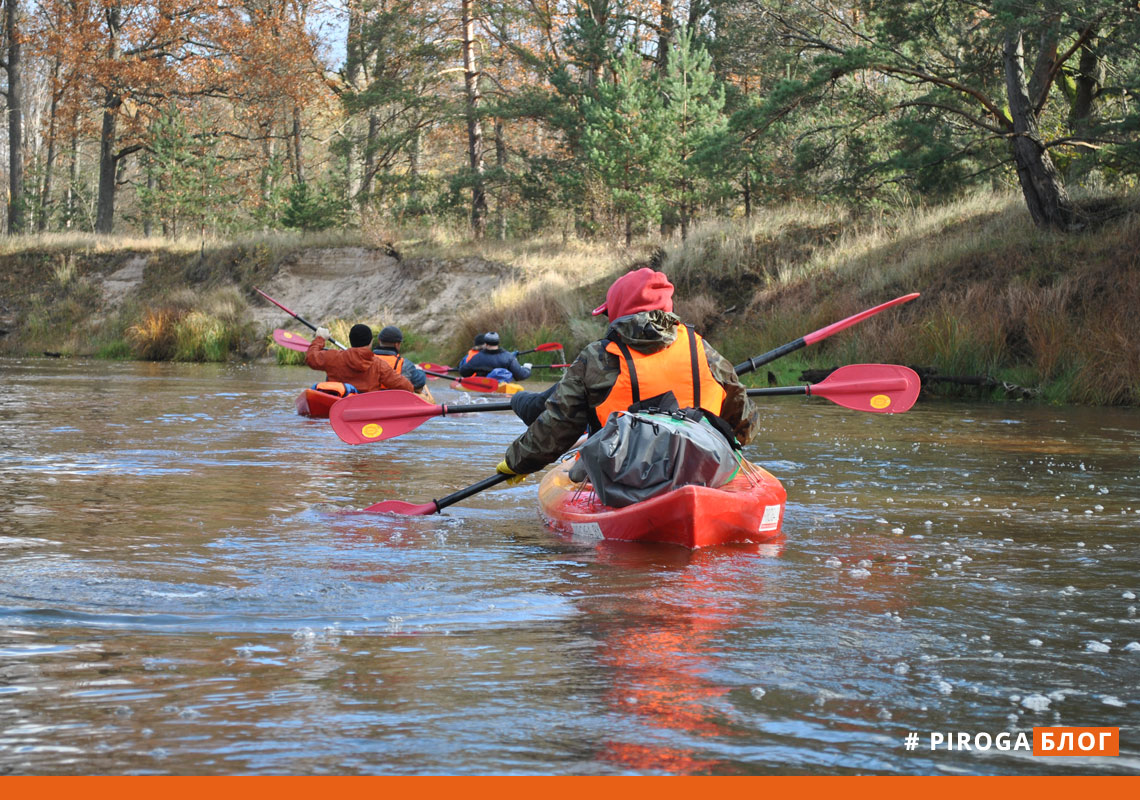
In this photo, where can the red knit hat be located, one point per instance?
(640, 290)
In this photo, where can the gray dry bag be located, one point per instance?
(641, 454)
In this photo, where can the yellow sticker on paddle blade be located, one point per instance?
(880, 401)
(288, 335)
(371, 431)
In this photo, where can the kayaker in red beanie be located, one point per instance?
(647, 351)
(357, 365)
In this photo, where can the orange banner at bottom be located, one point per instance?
(1076, 741)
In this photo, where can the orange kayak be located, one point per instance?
(314, 403)
(750, 508)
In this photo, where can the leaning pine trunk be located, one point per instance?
(1045, 194)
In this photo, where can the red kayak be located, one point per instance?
(316, 401)
(750, 508)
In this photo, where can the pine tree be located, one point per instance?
(624, 141)
(694, 110)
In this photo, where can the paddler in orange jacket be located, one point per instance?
(647, 351)
(357, 365)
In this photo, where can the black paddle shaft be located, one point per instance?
(779, 390)
(771, 355)
(475, 407)
(474, 488)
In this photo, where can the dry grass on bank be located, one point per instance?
(275, 241)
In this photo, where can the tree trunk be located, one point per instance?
(70, 209)
(298, 161)
(105, 206)
(1089, 78)
(474, 125)
(148, 212)
(747, 196)
(49, 163)
(15, 67)
(414, 168)
(665, 36)
(268, 153)
(501, 163)
(369, 158)
(1041, 185)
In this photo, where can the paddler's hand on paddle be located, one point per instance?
(515, 478)
(322, 333)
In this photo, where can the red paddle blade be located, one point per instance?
(548, 347)
(879, 388)
(477, 384)
(836, 327)
(292, 341)
(376, 416)
(427, 365)
(400, 507)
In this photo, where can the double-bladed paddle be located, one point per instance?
(542, 348)
(387, 414)
(475, 382)
(822, 333)
(297, 317)
(292, 341)
(434, 368)
(892, 399)
(435, 506)
(881, 388)
(376, 416)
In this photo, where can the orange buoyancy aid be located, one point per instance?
(681, 368)
(395, 362)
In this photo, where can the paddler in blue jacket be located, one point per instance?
(494, 357)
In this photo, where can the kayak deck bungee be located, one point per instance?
(750, 508)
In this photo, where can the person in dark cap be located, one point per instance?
(357, 365)
(387, 350)
(647, 351)
(478, 348)
(492, 356)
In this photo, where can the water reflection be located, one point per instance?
(178, 593)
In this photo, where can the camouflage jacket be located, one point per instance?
(588, 381)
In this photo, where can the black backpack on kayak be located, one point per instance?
(656, 447)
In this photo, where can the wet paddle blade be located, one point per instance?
(477, 384)
(292, 341)
(878, 388)
(376, 416)
(427, 366)
(400, 507)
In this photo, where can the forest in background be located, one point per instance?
(590, 118)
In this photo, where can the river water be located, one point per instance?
(179, 596)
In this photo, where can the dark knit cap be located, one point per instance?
(390, 333)
(360, 335)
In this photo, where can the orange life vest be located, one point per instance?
(331, 387)
(681, 368)
(395, 362)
